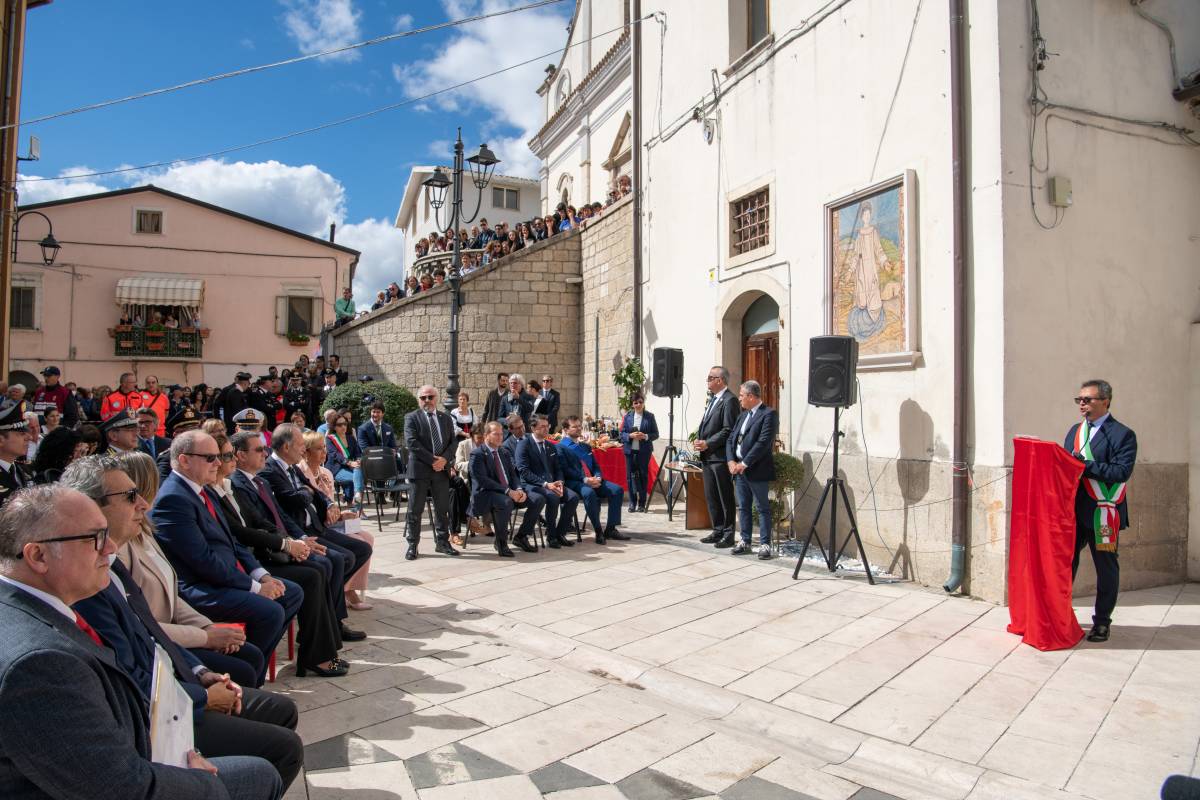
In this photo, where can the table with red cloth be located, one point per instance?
(1042, 544)
(612, 464)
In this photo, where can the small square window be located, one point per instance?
(148, 221)
(21, 308)
(750, 222)
(506, 198)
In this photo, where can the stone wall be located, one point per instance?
(607, 269)
(520, 314)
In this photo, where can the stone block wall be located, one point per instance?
(520, 314)
(607, 270)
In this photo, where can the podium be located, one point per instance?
(1041, 544)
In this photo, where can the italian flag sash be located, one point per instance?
(337, 441)
(1106, 521)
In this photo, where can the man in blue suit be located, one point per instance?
(1108, 451)
(750, 454)
(218, 576)
(541, 475)
(496, 489)
(582, 475)
(375, 432)
(148, 439)
(638, 432)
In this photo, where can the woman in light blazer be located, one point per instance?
(223, 650)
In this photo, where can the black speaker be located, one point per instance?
(832, 361)
(668, 372)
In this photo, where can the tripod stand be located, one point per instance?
(834, 487)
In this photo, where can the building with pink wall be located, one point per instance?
(242, 291)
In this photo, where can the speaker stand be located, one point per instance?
(835, 487)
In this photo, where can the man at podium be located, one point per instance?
(1107, 449)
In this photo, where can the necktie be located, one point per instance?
(433, 430)
(141, 609)
(378, 435)
(266, 498)
(545, 460)
(208, 504)
(82, 624)
(500, 468)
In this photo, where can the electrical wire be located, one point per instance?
(321, 127)
(286, 62)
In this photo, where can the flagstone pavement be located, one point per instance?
(662, 669)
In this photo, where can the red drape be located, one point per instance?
(1041, 545)
(612, 463)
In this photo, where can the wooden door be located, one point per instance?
(760, 362)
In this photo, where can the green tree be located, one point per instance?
(397, 401)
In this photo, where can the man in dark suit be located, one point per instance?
(581, 474)
(553, 401)
(335, 364)
(750, 455)
(715, 425)
(1108, 451)
(313, 514)
(147, 423)
(514, 434)
(87, 734)
(517, 401)
(228, 720)
(14, 445)
(375, 432)
(541, 476)
(262, 399)
(491, 408)
(496, 489)
(234, 398)
(218, 576)
(429, 435)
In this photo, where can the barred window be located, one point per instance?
(148, 221)
(22, 307)
(749, 222)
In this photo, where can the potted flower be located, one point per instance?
(629, 379)
(156, 330)
(297, 339)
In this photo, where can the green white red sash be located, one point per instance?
(338, 442)
(1106, 521)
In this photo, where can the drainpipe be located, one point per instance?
(637, 177)
(958, 149)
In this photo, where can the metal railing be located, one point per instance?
(134, 342)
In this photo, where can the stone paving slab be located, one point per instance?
(659, 668)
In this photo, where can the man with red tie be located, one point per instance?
(496, 488)
(218, 576)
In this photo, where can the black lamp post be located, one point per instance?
(49, 245)
(481, 166)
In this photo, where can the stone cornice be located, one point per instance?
(615, 65)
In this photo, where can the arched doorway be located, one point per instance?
(760, 347)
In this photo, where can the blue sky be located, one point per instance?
(82, 51)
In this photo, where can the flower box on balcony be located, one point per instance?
(155, 346)
(183, 345)
(125, 344)
(187, 330)
(156, 334)
(123, 328)
(204, 333)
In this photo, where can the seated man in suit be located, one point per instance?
(582, 475)
(375, 432)
(517, 401)
(74, 722)
(228, 720)
(750, 455)
(311, 511)
(148, 438)
(218, 576)
(496, 488)
(541, 475)
(514, 434)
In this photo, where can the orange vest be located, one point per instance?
(117, 401)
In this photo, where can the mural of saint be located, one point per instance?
(866, 258)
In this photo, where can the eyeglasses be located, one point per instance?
(1089, 400)
(342, 424)
(259, 449)
(99, 538)
(713, 378)
(130, 495)
(226, 456)
(427, 397)
(211, 458)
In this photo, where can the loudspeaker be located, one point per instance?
(832, 361)
(668, 372)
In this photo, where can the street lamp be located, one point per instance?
(436, 185)
(49, 245)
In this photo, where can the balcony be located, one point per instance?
(175, 343)
(429, 264)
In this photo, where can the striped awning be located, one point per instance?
(160, 291)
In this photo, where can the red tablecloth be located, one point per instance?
(612, 463)
(1041, 545)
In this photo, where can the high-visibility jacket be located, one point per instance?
(161, 405)
(119, 401)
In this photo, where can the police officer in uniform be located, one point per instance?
(261, 400)
(297, 397)
(120, 433)
(14, 441)
(235, 399)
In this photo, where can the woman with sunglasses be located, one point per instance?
(343, 459)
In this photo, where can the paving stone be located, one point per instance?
(866, 793)
(455, 763)
(558, 777)
(715, 763)
(513, 787)
(343, 751)
(651, 785)
(754, 788)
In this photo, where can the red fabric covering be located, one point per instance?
(1041, 545)
(612, 464)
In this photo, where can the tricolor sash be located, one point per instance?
(1106, 521)
(338, 444)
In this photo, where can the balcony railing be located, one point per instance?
(427, 265)
(134, 342)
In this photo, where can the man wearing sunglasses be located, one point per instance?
(74, 722)
(1108, 451)
(429, 435)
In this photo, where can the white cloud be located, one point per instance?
(403, 23)
(382, 259)
(42, 191)
(484, 47)
(317, 25)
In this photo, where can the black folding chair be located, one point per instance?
(381, 476)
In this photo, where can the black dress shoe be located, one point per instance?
(553, 544)
(565, 542)
(600, 539)
(336, 671)
(642, 509)
(525, 545)
(612, 533)
(505, 553)
(444, 547)
(740, 549)
(1099, 634)
(351, 635)
(712, 538)
(411, 553)
(724, 541)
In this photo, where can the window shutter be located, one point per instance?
(316, 317)
(281, 315)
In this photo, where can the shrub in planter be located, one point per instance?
(397, 402)
(789, 476)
